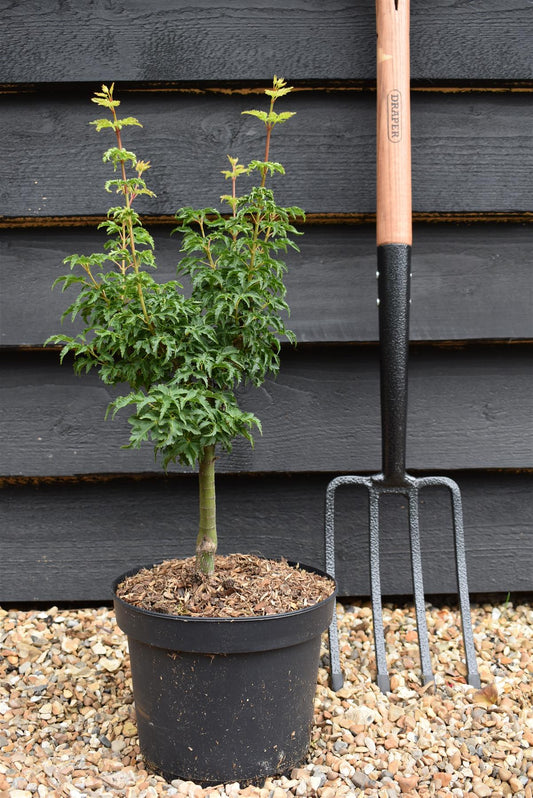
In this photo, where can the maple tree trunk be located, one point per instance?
(206, 542)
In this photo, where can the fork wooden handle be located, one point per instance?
(394, 214)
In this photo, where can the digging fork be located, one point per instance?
(394, 238)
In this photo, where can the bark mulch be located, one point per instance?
(242, 585)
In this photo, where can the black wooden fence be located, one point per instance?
(77, 509)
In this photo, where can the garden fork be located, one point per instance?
(394, 238)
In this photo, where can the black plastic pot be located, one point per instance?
(224, 699)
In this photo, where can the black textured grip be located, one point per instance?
(394, 271)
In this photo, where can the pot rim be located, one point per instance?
(212, 635)
(214, 618)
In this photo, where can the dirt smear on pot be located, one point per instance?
(242, 585)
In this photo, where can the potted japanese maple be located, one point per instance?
(224, 650)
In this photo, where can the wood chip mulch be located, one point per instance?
(242, 585)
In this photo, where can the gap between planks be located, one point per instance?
(470, 217)
(19, 481)
(164, 87)
(460, 344)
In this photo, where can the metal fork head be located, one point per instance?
(377, 486)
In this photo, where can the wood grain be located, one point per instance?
(208, 40)
(469, 408)
(393, 170)
(469, 281)
(68, 541)
(471, 152)
(187, 70)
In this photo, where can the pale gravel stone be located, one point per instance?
(371, 745)
(316, 782)
(68, 722)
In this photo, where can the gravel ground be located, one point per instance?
(67, 721)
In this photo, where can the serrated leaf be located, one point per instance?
(261, 115)
(100, 124)
(275, 119)
(105, 102)
(129, 120)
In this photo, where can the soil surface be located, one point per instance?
(242, 585)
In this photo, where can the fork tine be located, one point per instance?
(461, 571)
(382, 677)
(472, 673)
(336, 678)
(418, 587)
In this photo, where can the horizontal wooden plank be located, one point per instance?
(469, 408)
(469, 282)
(212, 41)
(471, 153)
(67, 542)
